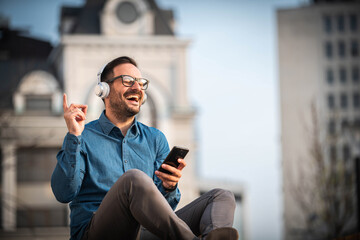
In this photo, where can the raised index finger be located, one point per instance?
(65, 106)
(84, 109)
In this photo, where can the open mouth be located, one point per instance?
(133, 98)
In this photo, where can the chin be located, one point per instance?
(133, 111)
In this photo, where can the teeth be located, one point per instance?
(133, 96)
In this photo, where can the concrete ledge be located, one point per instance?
(58, 233)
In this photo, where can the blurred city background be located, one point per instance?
(264, 93)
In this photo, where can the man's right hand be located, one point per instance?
(74, 116)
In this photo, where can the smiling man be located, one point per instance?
(107, 170)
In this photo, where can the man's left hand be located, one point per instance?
(171, 180)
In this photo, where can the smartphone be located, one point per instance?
(173, 156)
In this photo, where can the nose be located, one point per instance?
(136, 86)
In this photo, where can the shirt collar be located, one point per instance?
(107, 126)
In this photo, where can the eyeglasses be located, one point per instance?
(129, 81)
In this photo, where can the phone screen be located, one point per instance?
(173, 156)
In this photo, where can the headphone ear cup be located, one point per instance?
(102, 90)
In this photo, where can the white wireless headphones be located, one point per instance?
(102, 89)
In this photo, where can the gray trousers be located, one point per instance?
(135, 201)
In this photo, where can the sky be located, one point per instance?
(233, 84)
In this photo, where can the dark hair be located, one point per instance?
(108, 71)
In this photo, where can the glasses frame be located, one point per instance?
(135, 80)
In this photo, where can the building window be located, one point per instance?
(354, 48)
(341, 48)
(331, 101)
(341, 23)
(333, 154)
(38, 103)
(344, 124)
(346, 152)
(331, 127)
(342, 75)
(35, 164)
(328, 50)
(41, 217)
(34, 168)
(327, 24)
(348, 177)
(353, 22)
(330, 76)
(38, 93)
(356, 100)
(356, 123)
(343, 101)
(355, 74)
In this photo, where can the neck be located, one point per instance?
(122, 122)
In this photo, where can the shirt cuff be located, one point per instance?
(72, 143)
(166, 193)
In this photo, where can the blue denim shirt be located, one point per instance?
(88, 166)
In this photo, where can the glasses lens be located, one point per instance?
(128, 81)
(143, 83)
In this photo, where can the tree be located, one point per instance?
(324, 190)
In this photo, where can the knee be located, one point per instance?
(135, 176)
(133, 173)
(224, 195)
(136, 179)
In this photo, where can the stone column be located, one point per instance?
(8, 188)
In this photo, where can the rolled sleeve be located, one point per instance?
(72, 143)
(69, 172)
(173, 197)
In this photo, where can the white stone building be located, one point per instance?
(32, 126)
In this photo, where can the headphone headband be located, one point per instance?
(100, 72)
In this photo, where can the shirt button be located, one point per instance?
(126, 161)
(124, 141)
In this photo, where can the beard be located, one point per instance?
(119, 106)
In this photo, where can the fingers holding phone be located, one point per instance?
(171, 170)
(182, 164)
(171, 179)
(75, 116)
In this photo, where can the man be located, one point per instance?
(107, 169)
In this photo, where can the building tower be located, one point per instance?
(32, 128)
(34, 77)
